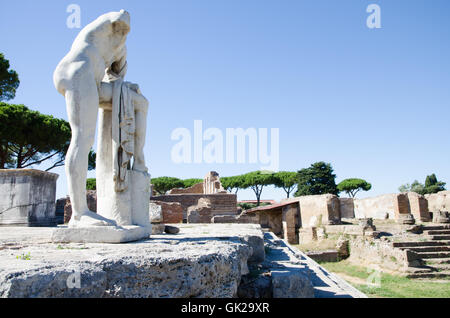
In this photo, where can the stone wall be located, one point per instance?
(195, 189)
(172, 212)
(347, 208)
(27, 197)
(272, 220)
(381, 254)
(243, 218)
(221, 204)
(375, 207)
(439, 201)
(318, 209)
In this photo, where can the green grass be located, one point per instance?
(391, 286)
(24, 257)
(61, 247)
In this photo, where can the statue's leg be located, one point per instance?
(141, 108)
(82, 109)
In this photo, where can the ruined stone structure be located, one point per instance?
(220, 204)
(211, 184)
(419, 207)
(316, 210)
(195, 189)
(438, 201)
(172, 212)
(27, 197)
(402, 207)
(347, 208)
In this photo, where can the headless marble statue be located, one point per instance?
(90, 77)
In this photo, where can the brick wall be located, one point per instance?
(221, 204)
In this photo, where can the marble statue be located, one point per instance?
(91, 78)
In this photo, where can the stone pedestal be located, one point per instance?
(131, 206)
(27, 197)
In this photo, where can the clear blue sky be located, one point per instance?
(373, 102)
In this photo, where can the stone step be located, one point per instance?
(436, 227)
(425, 243)
(442, 274)
(428, 249)
(426, 255)
(439, 267)
(440, 237)
(437, 232)
(434, 261)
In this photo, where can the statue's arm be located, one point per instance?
(119, 66)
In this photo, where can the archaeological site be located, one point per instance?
(107, 192)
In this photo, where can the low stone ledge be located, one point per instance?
(200, 261)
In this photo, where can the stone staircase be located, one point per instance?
(434, 251)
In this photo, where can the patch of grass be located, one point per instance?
(391, 286)
(25, 257)
(60, 247)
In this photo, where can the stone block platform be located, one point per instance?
(200, 261)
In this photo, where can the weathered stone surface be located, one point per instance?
(438, 201)
(291, 223)
(401, 204)
(158, 229)
(259, 287)
(415, 229)
(195, 189)
(441, 217)
(200, 213)
(343, 248)
(171, 212)
(381, 253)
(347, 208)
(221, 204)
(156, 214)
(419, 207)
(307, 235)
(171, 229)
(324, 256)
(407, 219)
(291, 284)
(375, 207)
(317, 210)
(367, 224)
(242, 218)
(190, 264)
(27, 197)
(256, 241)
